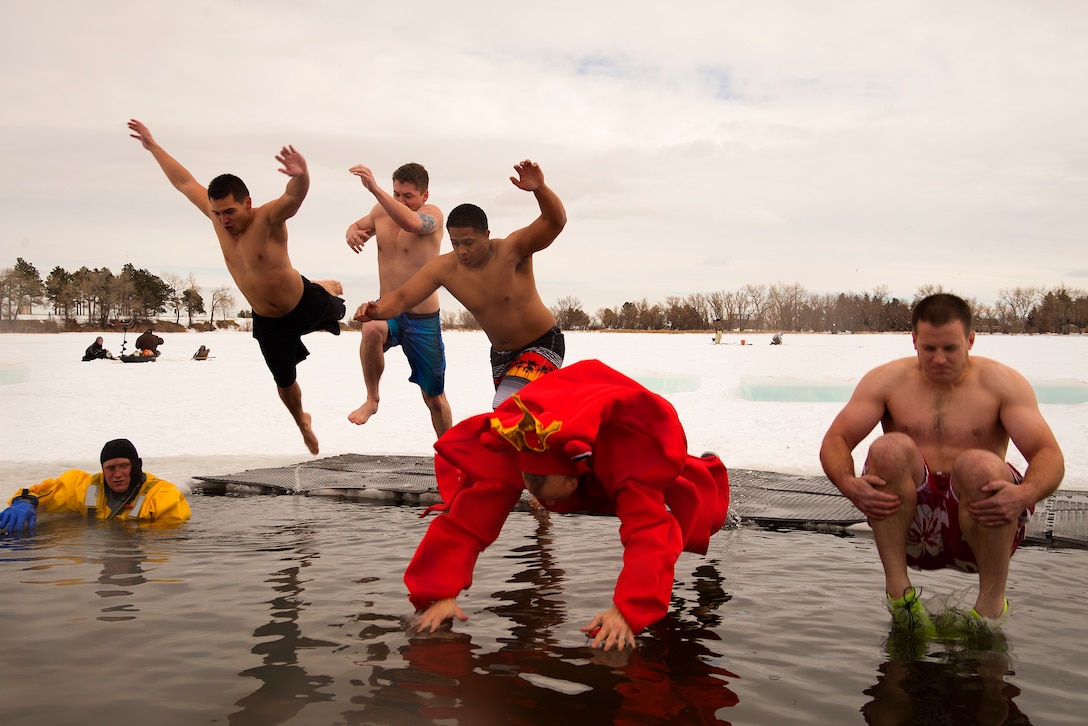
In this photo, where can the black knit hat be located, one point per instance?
(123, 449)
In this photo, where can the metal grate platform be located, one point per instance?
(766, 498)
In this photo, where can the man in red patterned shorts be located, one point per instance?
(493, 279)
(936, 488)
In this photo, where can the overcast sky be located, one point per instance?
(698, 146)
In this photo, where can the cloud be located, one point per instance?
(698, 147)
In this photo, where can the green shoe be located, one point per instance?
(976, 616)
(909, 614)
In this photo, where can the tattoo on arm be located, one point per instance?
(429, 224)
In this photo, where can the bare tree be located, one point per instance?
(223, 301)
(755, 303)
(177, 285)
(1019, 302)
(569, 314)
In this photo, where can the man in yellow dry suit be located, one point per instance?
(121, 491)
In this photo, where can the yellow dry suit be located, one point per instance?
(77, 491)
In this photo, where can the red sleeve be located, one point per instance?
(652, 542)
(443, 563)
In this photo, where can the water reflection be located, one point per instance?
(286, 687)
(670, 678)
(955, 680)
(117, 548)
(122, 570)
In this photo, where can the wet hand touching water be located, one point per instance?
(610, 629)
(436, 616)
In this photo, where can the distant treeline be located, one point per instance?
(100, 296)
(782, 307)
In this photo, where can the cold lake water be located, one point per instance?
(291, 610)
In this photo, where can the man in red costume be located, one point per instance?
(584, 438)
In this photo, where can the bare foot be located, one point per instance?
(332, 286)
(308, 435)
(362, 414)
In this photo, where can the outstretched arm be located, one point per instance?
(417, 289)
(294, 166)
(553, 217)
(178, 175)
(421, 222)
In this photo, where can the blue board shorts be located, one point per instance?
(420, 336)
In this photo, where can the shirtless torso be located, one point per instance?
(944, 420)
(401, 254)
(257, 259)
(499, 290)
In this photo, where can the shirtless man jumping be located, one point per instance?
(409, 234)
(493, 279)
(935, 487)
(254, 242)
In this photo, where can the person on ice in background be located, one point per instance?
(122, 490)
(95, 351)
(149, 341)
(582, 439)
(935, 486)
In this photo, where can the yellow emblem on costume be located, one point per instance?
(528, 433)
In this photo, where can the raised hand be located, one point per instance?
(529, 177)
(141, 133)
(366, 176)
(292, 161)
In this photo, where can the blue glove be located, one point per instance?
(21, 514)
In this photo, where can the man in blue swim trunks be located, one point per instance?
(285, 304)
(493, 279)
(935, 487)
(408, 232)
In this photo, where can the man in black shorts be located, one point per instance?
(285, 304)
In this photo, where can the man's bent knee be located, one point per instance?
(974, 468)
(374, 333)
(893, 454)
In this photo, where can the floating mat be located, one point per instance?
(397, 478)
(783, 500)
(766, 498)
